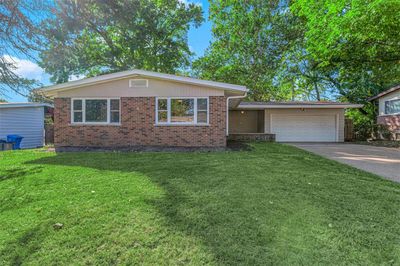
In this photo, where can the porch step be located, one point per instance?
(251, 137)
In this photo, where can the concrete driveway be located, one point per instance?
(378, 160)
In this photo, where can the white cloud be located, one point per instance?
(28, 69)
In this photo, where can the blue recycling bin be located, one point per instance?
(16, 139)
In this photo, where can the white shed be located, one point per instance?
(24, 119)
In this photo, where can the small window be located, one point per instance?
(77, 111)
(138, 83)
(392, 107)
(162, 115)
(202, 110)
(114, 111)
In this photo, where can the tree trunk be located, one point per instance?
(317, 91)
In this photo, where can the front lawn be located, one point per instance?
(272, 205)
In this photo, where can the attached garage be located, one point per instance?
(310, 128)
(295, 121)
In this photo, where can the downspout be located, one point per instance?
(227, 109)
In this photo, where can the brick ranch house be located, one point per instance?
(389, 108)
(143, 108)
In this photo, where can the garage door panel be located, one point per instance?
(310, 128)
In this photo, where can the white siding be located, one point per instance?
(27, 122)
(156, 88)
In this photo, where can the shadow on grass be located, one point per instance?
(18, 172)
(193, 202)
(261, 207)
(18, 251)
(199, 200)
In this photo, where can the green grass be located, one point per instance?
(272, 205)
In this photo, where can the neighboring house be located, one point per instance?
(142, 108)
(24, 119)
(389, 108)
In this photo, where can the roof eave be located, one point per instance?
(373, 98)
(333, 106)
(384, 93)
(51, 90)
(25, 105)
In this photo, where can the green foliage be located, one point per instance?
(352, 32)
(37, 96)
(369, 130)
(365, 127)
(19, 35)
(382, 132)
(250, 37)
(218, 208)
(359, 40)
(95, 37)
(345, 50)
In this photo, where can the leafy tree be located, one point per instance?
(358, 39)
(37, 96)
(249, 37)
(352, 32)
(2, 100)
(314, 50)
(92, 37)
(260, 44)
(18, 35)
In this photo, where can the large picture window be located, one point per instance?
(182, 111)
(95, 111)
(392, 107)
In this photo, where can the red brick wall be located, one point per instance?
(393, 121)
(138, 127)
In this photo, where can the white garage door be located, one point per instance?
(309, 128)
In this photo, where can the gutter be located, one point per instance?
(332, 106)
(227, 109)
(25, 105)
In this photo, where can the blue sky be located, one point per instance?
(198, 39)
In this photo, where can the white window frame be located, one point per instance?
(115, 110)
(84, 112)
(194, 110)
(385, 106)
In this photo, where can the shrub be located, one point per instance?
(366, 130)
(381, 132)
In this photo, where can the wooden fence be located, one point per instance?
(348, 130)
(48, 134)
